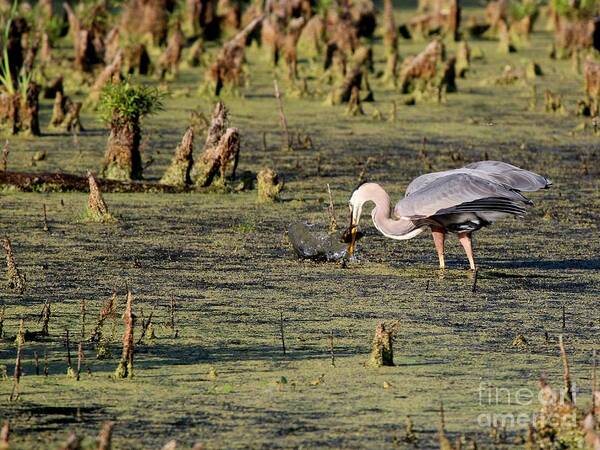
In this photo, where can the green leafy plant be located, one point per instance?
(54, 27)
(520, 9)
(24, 81)
(127, 103)
(323, 6)
(585, 9)
(93, 14)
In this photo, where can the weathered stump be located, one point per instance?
(169, 60)
(382, 352)
(390, 40)
(418, 72)
(9, 112)
(125, 368)
(123, 160)
(87, 43)
(147, 18)
(58, 110)
(591, 72)
(216, 161)
(178, 173)
(97, 211)
(354, 104)
(463, 59)
(576, 34)
(269, 185)
(20, 114)
(72, 122)
(65, 114)
(362, 62)
(53, 87)
(553, 102)
(105, 436)
(16, 281)
(29, 122)
(495, 12)
(290, 44)
(203, 17)
(137, 60)
(227, 68)
(111, 72)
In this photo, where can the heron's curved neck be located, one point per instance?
(395, 228)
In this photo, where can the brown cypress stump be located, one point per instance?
(178, 173)
(122, 160)
(58, 110)
(382, 353)
(222, 147)
(269, 185)
(16, 281)
(97, 211)
(125, 368)
(169, 60)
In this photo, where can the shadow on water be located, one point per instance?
(564, 264)
(54, 418)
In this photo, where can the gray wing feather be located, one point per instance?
(496, 171)
(499, 205)
(423, 180)
(509, 175)
(444, 194)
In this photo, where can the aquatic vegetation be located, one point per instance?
(220, 292)
(122, 106)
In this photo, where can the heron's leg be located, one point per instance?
(465, 240)
(439, 236)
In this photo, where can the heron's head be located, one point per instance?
(356, 203)
(362, 194)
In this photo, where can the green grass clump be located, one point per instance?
(524, 8)
(90, 216)
(127, 103)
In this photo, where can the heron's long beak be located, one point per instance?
(353, 231)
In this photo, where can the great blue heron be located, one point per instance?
(458, 201)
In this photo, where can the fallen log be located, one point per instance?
(66, 182)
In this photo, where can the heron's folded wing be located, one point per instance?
(420, 182)
(445, 194)
(509, 175)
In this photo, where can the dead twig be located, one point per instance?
(330, 339)
(281, 330)
(68, 346)
(14, 395)
(46, 228)
(566, 371)
(145, 325)
(331, 210)
(287, 145)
